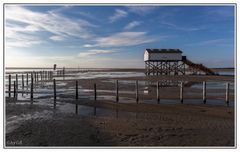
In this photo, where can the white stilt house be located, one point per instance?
(170, 62)
(163, 62)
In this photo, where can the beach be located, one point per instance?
(105, 122)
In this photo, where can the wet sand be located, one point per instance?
(152, 125)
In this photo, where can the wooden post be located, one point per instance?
(227, 93)
(27, 79)
(137, 91)
(55, 97)
(117, 97)
(16, 82)
(31, 88)
(181, 92)
(76, 110)
(41, 75)
(204, 92)
(9, 85)
(22, 81)
(35, 77)
(14, 89)
(95, 92)
(158, 94)
(63, 73)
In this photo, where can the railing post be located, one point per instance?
(95, 92)
(31, 88)
(204, 92)
(158, 93)
(117, 97)
(181, 92)
(227, 93)
(55, 97)
(9, 85)
(137, 91)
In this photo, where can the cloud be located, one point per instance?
(142, 10)
(181, 28)
(94, 52)
(88, 45)
(22, 20)
(57, 38)
(118, 15)
(210, 42)
(124, 39)
(132, 25)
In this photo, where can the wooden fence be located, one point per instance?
(48, 76)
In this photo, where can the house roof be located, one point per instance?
(163, 50)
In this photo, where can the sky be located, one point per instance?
(115, 36)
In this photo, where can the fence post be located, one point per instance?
(137, 91)
(158, 94)
(76, 110)
(16, 82)
(117, 97)
(35, 77)
(95, 92)
(31, 88)
(204, 92)
(22, 82)
(55, 97)
(63, 73)
(181, 92)
(27, 79)
(14, 89)
(9, 85)
(227, 93)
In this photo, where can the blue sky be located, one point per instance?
(116, 36)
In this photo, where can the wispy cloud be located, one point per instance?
(210, 42)
(118, 15)
(181, 28)
(142, 10)
(132, 25)
(94, 52)
(57, 38)
(27, 21)
(122, 39)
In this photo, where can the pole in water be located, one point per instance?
(158, 93)
(95, 92)
(14, 89)
(227, 93)
(76, 110)
(27, 79)
(117, 98)
(22, 82)
(55, 97)
(9, 85)
(137, 91)
(16, 81)
(181, 92)
(31, 96)
(204, 92)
